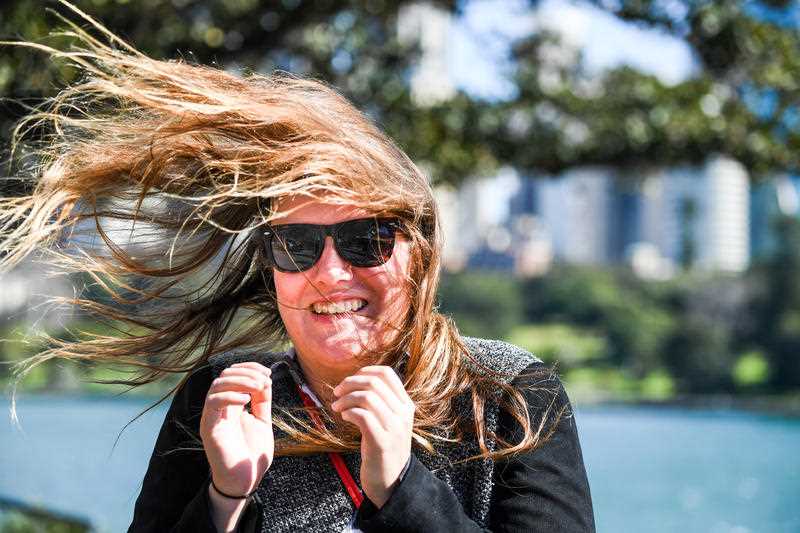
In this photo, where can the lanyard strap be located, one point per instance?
(336, 459)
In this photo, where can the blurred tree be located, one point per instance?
(777, 308)
(688, 327)
(743, 101)
(354, 45)
(483, 304)
(699, 357)
(701, 350)
(751, 371)
(19, 518)
(688, 245)
(635, 322)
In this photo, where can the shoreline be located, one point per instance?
(787, 405)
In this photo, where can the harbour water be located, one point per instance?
(653, 470)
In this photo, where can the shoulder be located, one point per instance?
(505, 359)
(536, 381)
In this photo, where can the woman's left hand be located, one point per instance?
(375, 400)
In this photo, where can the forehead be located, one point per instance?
(303, 210)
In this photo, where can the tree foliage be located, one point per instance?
(776, 308)
(353, 45)
(742, 102)
(693, 330)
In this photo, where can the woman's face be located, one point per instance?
(328, 343)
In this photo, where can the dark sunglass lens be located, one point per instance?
(367, 242)
(295, 248)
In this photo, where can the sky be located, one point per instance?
(482, 36)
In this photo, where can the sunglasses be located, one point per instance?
(364, 242)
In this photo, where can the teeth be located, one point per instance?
(345, 306)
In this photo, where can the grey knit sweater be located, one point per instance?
(306, 494)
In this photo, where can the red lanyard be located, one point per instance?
(336, 459)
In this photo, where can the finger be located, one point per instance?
(249, 367)
(367, 400)
(358, 382)
(389, 376)
(238, 384)
(245, 373)
(219, 401)
(253, 364)
(367, 423)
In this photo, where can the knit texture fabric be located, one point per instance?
(306, 494)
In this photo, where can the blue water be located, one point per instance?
(671, 470)
(650, 470)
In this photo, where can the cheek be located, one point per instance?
(395, 286)
(401, 258)
(288, 291)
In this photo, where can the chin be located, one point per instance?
(344, 352)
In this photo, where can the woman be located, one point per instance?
(237, 216)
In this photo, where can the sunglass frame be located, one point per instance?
(330, 230)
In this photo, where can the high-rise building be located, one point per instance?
(430, 27)
(706, 216)
(693, 217)
(779, 196)
(475, 221)
(454, 254)
(573, 210)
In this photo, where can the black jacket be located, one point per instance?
(545, 490)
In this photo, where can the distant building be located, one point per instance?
(475, 222)
(705, 216)
(769, 200)
(695, 218)
(574, 210)
(454, 255)
(430, 27)
(686, 217)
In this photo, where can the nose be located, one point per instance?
(331, 269)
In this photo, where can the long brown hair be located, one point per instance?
(154, 176)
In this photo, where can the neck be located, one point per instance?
(323, 380)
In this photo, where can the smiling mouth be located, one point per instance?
(338, 308)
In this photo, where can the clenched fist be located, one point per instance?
(239, 444)
(375, 400)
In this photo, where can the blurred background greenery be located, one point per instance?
(20, 518)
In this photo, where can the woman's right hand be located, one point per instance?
(239, 444)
